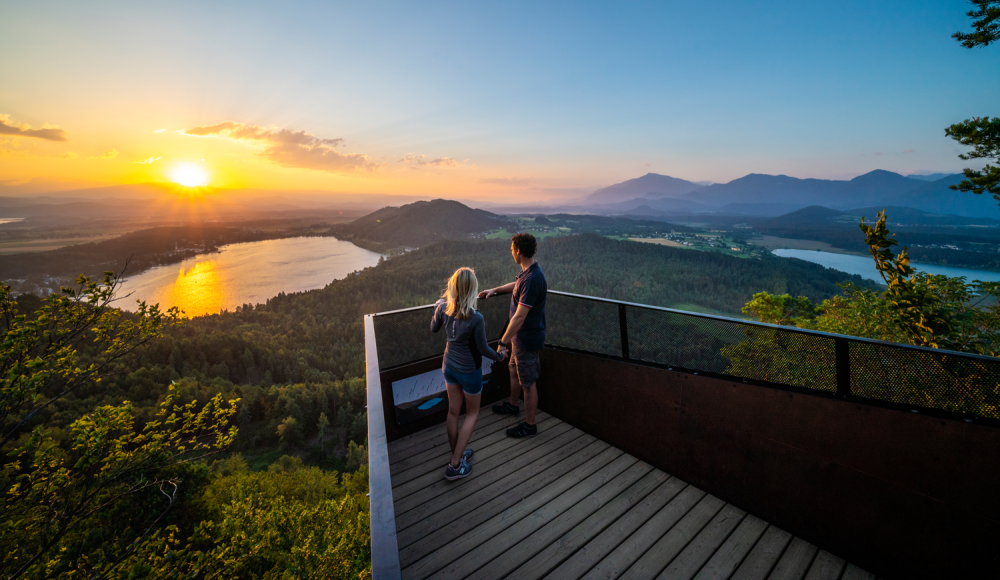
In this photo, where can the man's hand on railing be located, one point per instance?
(487, 293)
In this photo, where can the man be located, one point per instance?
(525, 332)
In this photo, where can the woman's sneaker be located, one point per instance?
(467, 456)
(506, 408)
(453, 473)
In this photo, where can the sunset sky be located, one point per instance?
(510, 100)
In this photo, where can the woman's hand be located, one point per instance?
(502, 351)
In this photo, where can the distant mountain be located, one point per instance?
(651, 186)
(417, 224)
(931, 177)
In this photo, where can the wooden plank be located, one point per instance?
(526, 497)
(826, 566)
(619, 560)
(729, 555)
(794, 561)
(674, 541)
(516, 544)
(852, 572)
(604, 542)
(436, 459)
(761, 560)
(436, 529)
(545, 549)
(409, 457)
(431, 486)
(408, 442)
(437, 435)
(482, 538)
(687, 564)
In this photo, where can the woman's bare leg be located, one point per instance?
(455, 398)
(465, 434)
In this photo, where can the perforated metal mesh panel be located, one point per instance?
(589, 325)
(404, 337)
(890, 373)
(925, 379)
(731, 348)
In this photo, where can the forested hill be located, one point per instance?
(418, 224)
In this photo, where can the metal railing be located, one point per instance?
(865, 370)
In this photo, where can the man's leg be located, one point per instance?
(530, 403)
(515, 384)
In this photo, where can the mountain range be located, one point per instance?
(773, 195)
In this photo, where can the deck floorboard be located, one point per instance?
(565, 505)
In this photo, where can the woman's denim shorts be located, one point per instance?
(472, 383)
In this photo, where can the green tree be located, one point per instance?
(321, 426)
(86, 505)
(980, 133)
(290, 432)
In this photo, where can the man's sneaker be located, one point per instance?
(453, 473)
(506, 408)
(522, 430)
(467, 456)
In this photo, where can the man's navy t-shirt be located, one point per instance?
(530, 290)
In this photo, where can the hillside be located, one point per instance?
(418, 224)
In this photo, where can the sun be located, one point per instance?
(189, 175)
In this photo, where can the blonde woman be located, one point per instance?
(463, 363)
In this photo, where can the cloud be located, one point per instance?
(8, 127)
(645, 164)
(433, 161)
(908, 151)
(109, 154)
(296, 149)
(511, 181)
(159, 131)
(149, 161)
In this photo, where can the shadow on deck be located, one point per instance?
(564, 504)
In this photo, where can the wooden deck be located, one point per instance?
(564, 504)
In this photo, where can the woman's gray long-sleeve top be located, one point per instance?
(466, 340)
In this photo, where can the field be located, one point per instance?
(44, 244)
(660, 241)
(774, 243)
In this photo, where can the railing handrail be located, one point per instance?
(385, 548)
(795, 329)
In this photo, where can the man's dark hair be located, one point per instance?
(525, 244)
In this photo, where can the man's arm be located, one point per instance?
(505, 289)
(515, 323)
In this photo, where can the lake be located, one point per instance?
(247, 273)
(865, 266)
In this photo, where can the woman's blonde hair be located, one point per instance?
(462, 293)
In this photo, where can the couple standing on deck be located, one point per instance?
(463, 356)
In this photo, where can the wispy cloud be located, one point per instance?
(159, 131)
(511, 181)
(109, 154)
(907, 151)
(433, 161)
(149, 161)
(296, 149)
(9, 127)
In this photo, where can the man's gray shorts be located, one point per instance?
(525, 365)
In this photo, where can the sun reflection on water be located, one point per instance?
(200, 290)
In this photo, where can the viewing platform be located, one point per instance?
(680, 445)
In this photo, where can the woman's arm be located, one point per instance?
(479, 332)
(438, 319)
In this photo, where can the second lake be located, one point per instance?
(864, 266)
(248, 273)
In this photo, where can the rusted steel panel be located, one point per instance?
(901, 494)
